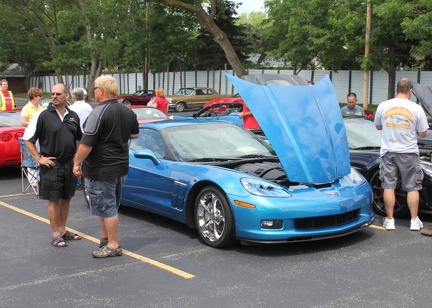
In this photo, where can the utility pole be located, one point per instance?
(146, 56)
(366, 57)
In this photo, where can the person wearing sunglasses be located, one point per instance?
(58, 131)
(103, 158)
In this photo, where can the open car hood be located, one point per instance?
(304, 125)
(424, 95)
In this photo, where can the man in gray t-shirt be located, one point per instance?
(352, 109)
(401, 121)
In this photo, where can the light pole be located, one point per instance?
(366, 56)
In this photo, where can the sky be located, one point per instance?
(250, 6)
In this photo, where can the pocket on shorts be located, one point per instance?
(96, 199)
(419, 174)
(380, 173)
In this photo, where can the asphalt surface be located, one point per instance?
(165, 264)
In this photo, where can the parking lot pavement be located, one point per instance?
(165, 264)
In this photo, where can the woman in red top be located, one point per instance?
(249, 120)
(160, 102)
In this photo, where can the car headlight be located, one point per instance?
(355, 177)
(427, 168)
(262, 188)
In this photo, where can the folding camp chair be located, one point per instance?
(29, 170)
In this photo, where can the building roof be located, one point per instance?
(13, 70)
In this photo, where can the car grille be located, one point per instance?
(326, 221)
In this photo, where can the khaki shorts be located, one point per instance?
(403, 166)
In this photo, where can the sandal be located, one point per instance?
(105, 252)
(103, 242)
(58, 241)
(69, 236)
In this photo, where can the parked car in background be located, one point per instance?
(47, 101)
(369, 114)
(364, 141)
(222, 109)
(140, 97)
(10, 130)
(195, 97)
(148, 114)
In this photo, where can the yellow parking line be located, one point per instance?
(18, 195)
(131, 254)
(377, 227)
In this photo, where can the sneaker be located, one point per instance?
(106, 252)
(416, 224)
(427, 231)
(389, 224)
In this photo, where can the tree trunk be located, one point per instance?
(391, 73)
(207, 22)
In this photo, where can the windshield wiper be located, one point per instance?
(209, 159)
(255, 156)
(367, 148)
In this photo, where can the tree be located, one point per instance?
(390, 48)
(210, 55)
(21, 43)
(254, 24)
(417, 26)
(298, 31)
(207, 21)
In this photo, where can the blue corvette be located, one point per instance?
(230, 185)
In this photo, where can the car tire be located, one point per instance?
(180, 107)
(127, 103)
(401, 206)
(213, 218)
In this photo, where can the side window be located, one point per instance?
(149, 139)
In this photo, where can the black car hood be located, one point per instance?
(424, 95)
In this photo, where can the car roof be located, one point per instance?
(181, 122)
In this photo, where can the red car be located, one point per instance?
(369, 114)
(148, 114)
(10, 130)
(222, 109)
(141, 97)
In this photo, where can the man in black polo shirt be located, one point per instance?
(104, 156)
(58, 131)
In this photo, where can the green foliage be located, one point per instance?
(71, 37)
(418, 26)
(209, 54)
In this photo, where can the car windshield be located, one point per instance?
(362, 133)
(213, 140)
(149, 113)
(184, 91)
(10, 119)
(143, 93)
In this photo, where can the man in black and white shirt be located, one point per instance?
(58, 131)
